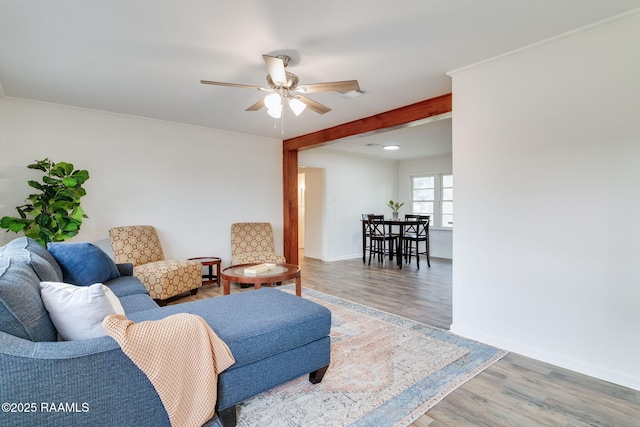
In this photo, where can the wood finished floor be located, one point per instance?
(515, 391)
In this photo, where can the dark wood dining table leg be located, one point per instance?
(400, 244)
(364, 241)
(391, 243)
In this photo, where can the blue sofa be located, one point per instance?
(274, 336)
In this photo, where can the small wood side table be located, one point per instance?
(209, 261)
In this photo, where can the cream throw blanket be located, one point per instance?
(182, 358)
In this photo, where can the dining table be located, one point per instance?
(401, 224)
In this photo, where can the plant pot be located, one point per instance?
(395, 215)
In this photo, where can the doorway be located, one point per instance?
(311, 212)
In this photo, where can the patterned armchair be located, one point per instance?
(253, 242)
(140, 246)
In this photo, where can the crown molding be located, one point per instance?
(578, 32)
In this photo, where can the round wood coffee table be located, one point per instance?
(279, 273)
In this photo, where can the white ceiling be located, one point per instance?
(425, 138)
(146, 58)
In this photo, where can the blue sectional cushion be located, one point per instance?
(125, 269)
(126, 285)
(137, 302)
(266, 322)
(30, 252)
(83, 263)
(22, 312)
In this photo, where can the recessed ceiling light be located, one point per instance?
(391, 147)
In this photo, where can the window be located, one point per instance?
(433, 195)
(423, 195)
(447, 200)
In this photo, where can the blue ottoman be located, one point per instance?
(274, 336)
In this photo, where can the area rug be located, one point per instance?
(385, 371)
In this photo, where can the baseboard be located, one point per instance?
(346, 257)
(601, 372)
(343, 258)
(440, 255)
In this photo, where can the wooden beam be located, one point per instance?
(410, 113)
(290, 198)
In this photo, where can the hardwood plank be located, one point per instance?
(572, 384)
(501, 397)
(426, 421)
(478, 408)
(390, 289)
(452, 413)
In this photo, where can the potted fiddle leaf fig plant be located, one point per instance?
(53, 214)
(394, 207)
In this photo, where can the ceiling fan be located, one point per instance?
(284, 86)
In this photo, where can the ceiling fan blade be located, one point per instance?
(345, 86)
(315, 106)
(208, 82)
(255, 107)
(275, 66)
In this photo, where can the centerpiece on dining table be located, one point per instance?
(394, 207)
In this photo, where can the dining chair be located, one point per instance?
(410, 229)
(381, 241)
(416, 231)
(366, 242)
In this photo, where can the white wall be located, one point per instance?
(353, 185)
(441, 240)
(189, 182)
(546, 156)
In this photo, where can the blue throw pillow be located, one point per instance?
(83, 264)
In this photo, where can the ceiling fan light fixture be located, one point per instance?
(297, 106)
(272, 101)
(275, 111)
(284, 85)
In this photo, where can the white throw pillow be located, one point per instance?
(77, 312)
